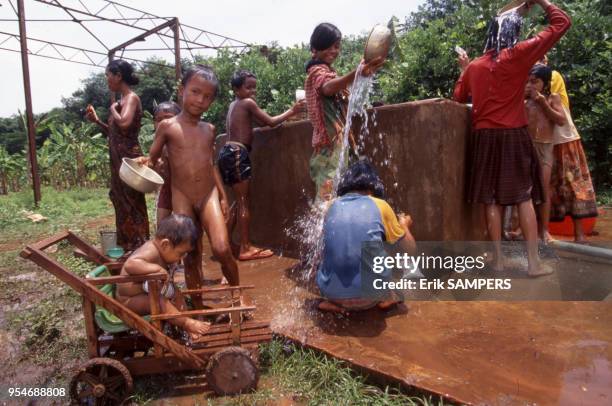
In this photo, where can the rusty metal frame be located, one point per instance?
(67, 53)
(31, 127)
(184, 37)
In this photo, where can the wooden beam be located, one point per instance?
(208, 312)
(248, 325)
(93, 348)
(216, 288)
(89, 250)
(225, 342)
(54, 239)
(235, 318)
(154, 298)
(211, 338)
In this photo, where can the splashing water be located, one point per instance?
(308, 229)
(359, 100)
(508, 30)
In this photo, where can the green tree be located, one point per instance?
(156, 83)
(584, 57)
(12, 169)
(95, 92)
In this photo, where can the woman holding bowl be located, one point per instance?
(122, 130)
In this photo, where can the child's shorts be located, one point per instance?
(234, 163)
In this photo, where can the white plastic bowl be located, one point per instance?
(139, 177)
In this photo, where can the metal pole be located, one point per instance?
(177, 49)
(599, 252)
(177, 57)
(111, 56)
(28, 100)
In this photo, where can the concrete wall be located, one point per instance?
(419, 149)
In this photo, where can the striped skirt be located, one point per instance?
(504, 168)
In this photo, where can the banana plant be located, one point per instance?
(147, 132)
(12, 169)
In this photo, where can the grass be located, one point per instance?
(48, 320)
(314, 378)
(297, 375)
(65, 209)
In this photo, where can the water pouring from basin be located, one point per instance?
(309, 227)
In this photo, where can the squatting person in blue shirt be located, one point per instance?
(357, 216)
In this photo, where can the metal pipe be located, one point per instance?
(141, 37)
(598, 252)
(84, 51)
(111, 56)
(177, 49)
(69, 10)
(31, 128)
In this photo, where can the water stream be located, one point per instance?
(308, 229)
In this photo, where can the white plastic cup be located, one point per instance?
(300, 94)
(460, 51)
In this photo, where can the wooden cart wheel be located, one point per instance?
(101, 381)
(232, 371)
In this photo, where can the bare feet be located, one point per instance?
(539, 269)
(497, 265)
(547, 238)
(494, 262)
(196, 328)
(515, 235)
(255, 253)
(387, 304)
(327, 306)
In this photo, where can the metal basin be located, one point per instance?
(378, 43)
(139, 177)
(519, 5)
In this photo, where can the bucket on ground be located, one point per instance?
(108, 240)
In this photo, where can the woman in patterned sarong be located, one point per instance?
(572, 192)
(122, 130)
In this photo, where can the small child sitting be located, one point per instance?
(358, 215)
(175, 237)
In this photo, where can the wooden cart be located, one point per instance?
(227, 353)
